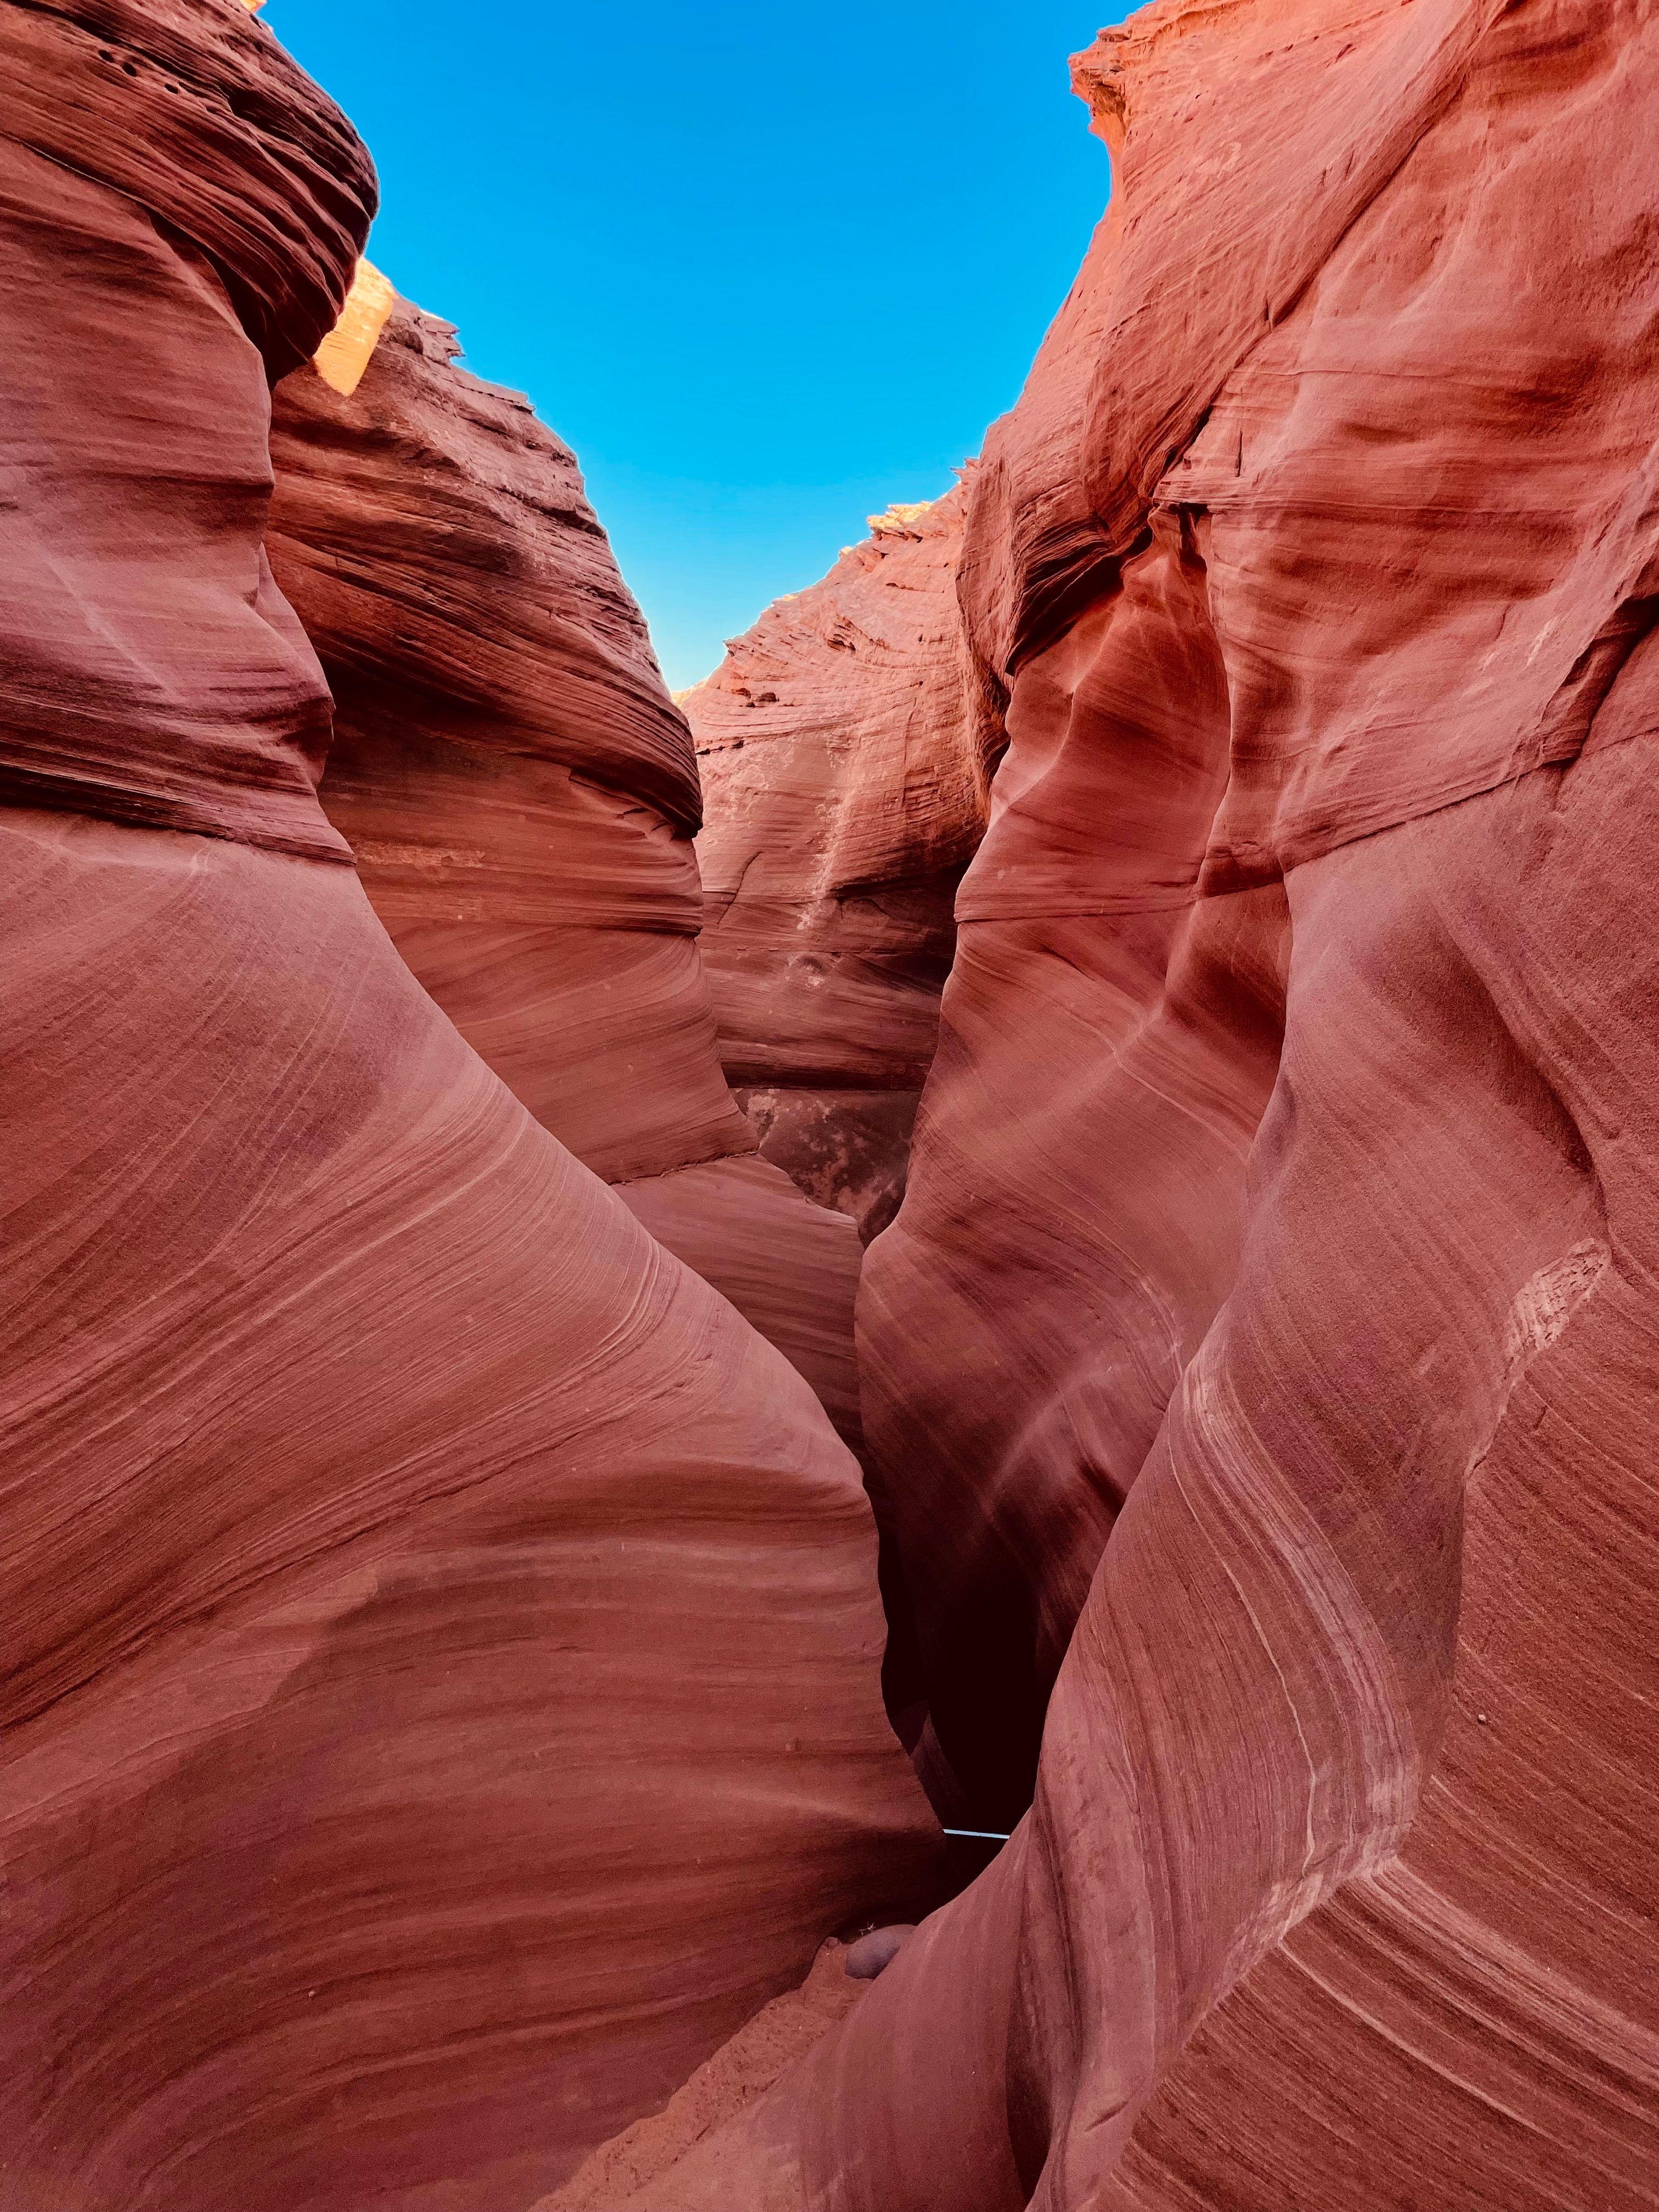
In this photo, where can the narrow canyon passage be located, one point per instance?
(443, 1643)
(1034, 1210)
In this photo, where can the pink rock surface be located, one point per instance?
(738, 2074)
(167, 147)
(845, 792)
(441, 1663)
(431, 1739)
(789, 1266)
(520, 794)
(1284, 1357)
(441, 1643)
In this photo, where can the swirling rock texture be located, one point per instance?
(845, 791)
(1262, 1368)
(441, 1637)
(520, 794)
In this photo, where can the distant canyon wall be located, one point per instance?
(845, 791)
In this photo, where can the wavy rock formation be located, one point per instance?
(520, 794)
(845, 792)
(1263, 1364)
(160, 154)
(440, 1645)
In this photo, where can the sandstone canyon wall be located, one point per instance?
(441, 1674)
(520, 794)
(845, 791)
(1259, 1376)
(441, 1639)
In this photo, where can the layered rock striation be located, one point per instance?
(441, 1642)
(441, 1685)
(1259, 1373)
(845, 787)
(176, 194)
(521, 795)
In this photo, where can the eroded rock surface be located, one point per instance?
(441, 1689)
(520, 794)
(845, 791)
(738, 2074)
(1261, 1369)
(166, 151)
(440, 1638)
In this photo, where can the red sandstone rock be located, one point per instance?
(163, 148)
(440, 1640)
(845, 793)
(1276, 1280)
(738, 2074)
(1319, 1408)
(520, 794)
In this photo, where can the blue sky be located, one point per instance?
(767, 266)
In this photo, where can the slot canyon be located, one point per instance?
(884, 1438)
